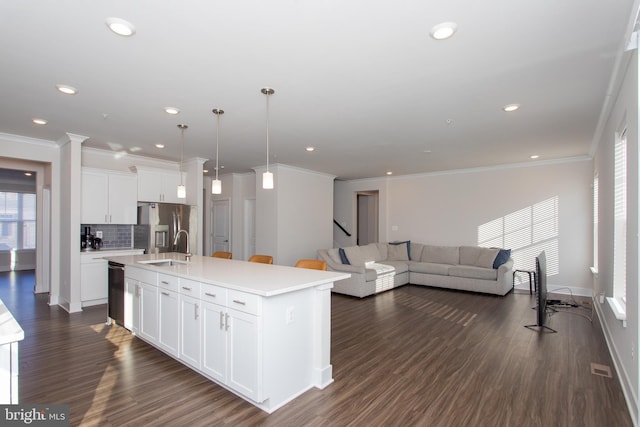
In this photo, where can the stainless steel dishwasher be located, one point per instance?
(116, 293)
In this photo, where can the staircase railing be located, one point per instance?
(341, 228)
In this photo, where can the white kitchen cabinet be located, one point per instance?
(231, 342)
(245, 354)
(158, 185)
(94, 276)
(94, 287)
(132, 305)
(108, 197)
(190, 328)
(149, 312)
(214, 342)
(168, 314)
(266, 347)
(190, 323)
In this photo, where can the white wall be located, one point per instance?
(623, 341)
(294, 219)
(449, 208)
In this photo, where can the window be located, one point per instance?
(17, 221)
(620, 220)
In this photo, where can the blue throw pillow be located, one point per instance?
(343, 256)
(502, 257)
(406, 242)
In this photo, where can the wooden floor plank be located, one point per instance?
(413, 356)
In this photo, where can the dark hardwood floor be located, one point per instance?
(413, 356)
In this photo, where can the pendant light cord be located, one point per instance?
(268, 131)
(217, 141)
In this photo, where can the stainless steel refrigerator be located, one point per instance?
(158, 224)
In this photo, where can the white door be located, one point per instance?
(214, 341)
(220, 225)
(244, 352)
(190, 330)
(249, 227)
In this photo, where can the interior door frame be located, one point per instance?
(212, 233)
(367, 216)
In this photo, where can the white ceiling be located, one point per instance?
(359, 80)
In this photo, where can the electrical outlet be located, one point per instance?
(99, 234)
(290, 316)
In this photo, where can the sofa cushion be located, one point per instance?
(343, 256)
(358, 255)
(477, 256)
(334, 255)
(502, 257)
(384, 253)
(399, 251)
(430, 268)
(415, 251)
(440, 254)
(371, 252)
(400, 266)
(473, 272)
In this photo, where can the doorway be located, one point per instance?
(367, 217)
(220, 225)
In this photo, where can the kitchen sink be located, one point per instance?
(163, 262)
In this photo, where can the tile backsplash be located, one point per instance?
(114, 236)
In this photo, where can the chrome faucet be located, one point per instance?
(175, 242)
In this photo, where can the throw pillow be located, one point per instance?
(399, 251)
(343, 256)
(502, 257)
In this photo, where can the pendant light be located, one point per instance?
(216, 184)
(182, 190)
(267, 177)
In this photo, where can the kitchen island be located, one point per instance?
(261, 331)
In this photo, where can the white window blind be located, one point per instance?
(620, 219)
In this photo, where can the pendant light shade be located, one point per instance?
(216, 184)
(182, 190)
(267, 177)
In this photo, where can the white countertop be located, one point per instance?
(10, 330)
(261, 279)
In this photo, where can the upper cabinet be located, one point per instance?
(109, 197)
(158, 185)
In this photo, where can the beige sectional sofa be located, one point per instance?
(377, 267)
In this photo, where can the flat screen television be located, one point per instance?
(541, 293)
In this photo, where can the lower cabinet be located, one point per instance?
(190, 331)
(132, 305)
(214, 341)
(244, 354)
(149, 314)
(169, 321)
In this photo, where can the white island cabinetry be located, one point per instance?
(260, 331)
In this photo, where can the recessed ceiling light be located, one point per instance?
(172, 110)
(443, 30)
(205, 170)
(389, 173)
(535, 156)
(67, 90)
(426, 151)
(159, 145)
(28, 173)
(120, 26)
(511, 107)
(39, 121)
(310, 149)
